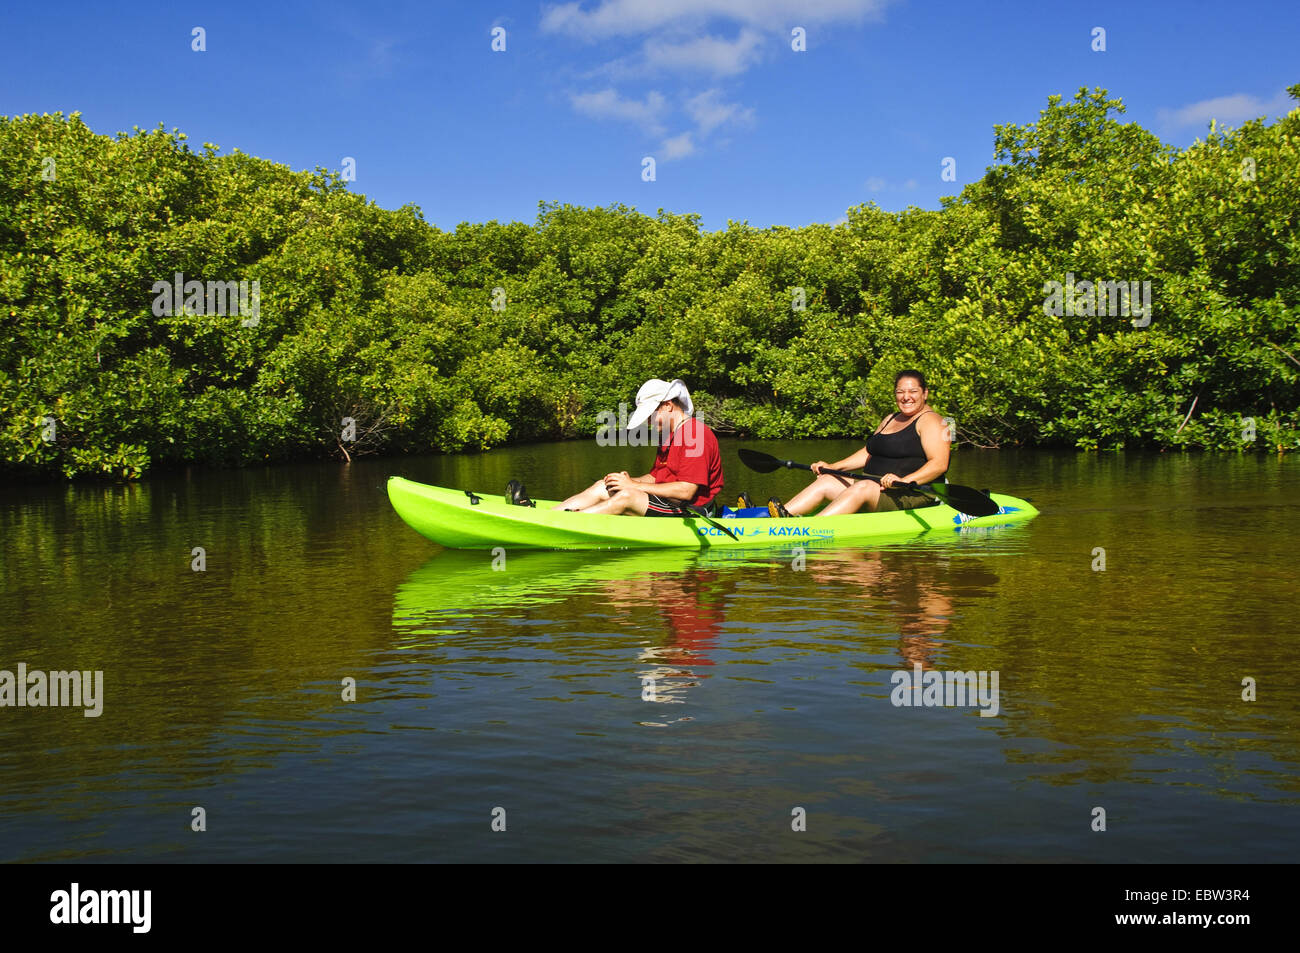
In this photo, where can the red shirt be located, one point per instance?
(691, 456)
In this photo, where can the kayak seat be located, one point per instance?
(745, 513)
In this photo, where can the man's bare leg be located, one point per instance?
(626, 501)
(596, 493)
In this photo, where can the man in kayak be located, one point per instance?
(687, 467)
(910, 446)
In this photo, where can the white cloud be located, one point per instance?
(707, 54)
(1232, 110)
(875, 184)
(708, 112)
(677, 147)
(630, 17)
(607, 104)
(679, 37)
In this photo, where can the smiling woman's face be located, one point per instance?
(909, 395)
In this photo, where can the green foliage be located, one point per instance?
(429, 340)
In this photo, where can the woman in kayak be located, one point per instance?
(910, 446)
(687, 468)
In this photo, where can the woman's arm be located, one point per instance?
(934, 440)
(853, 462)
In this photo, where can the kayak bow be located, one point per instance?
(450, 518)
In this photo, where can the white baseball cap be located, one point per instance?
(653, 393)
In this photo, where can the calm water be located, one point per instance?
(654, 706)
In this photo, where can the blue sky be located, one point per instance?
(740, 125)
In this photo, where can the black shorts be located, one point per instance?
(658, 506)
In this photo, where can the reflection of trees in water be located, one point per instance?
(916, 588)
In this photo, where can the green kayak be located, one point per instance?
(458, 520)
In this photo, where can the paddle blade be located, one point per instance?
(965, 499)
(759, 462)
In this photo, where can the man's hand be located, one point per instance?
(617, 481)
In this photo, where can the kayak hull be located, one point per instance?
(449, 517)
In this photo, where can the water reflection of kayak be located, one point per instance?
(457, 584)
(454, 583)
(453, 519)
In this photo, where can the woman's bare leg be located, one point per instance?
(825, 487)
(864, 493)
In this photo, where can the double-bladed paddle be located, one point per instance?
(963, 499)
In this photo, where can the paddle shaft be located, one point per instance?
(961, 498)
(920, 488)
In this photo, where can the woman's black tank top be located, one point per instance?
(899, 453)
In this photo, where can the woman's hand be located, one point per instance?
(888, 480)
(816, 467)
